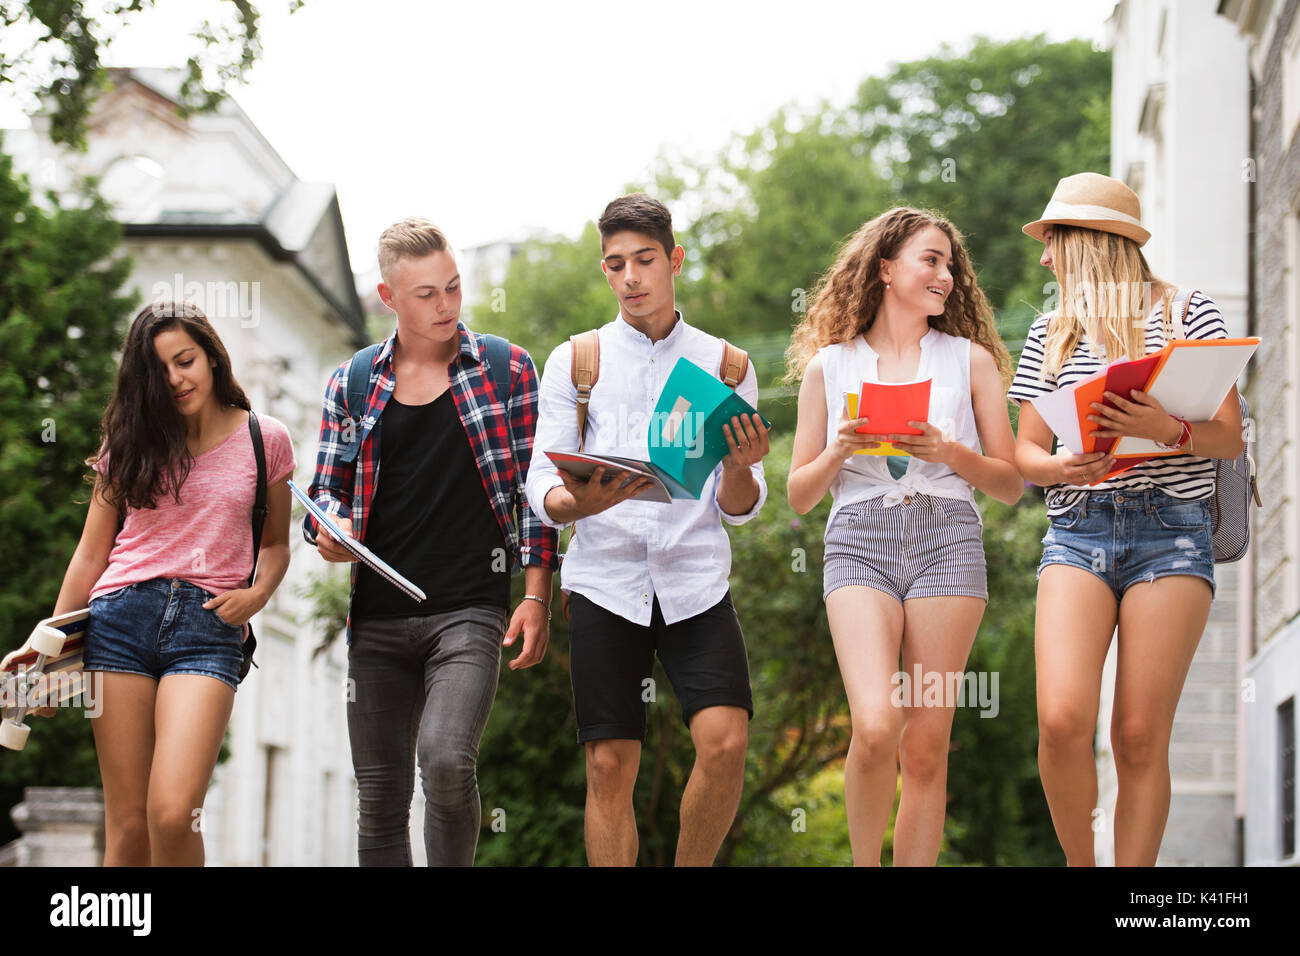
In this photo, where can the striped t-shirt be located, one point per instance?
(1179, 476)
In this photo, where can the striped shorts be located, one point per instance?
(922, 547)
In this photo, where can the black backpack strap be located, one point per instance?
(497, 351)
(354, 400)
(259, 503)
(249, 646)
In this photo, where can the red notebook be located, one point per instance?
(889, 406)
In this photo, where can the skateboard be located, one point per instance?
(44, 672)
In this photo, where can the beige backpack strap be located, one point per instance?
(585, 371)
(735, 363)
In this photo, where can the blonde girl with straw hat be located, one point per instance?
(904, 573)
(1133, 551)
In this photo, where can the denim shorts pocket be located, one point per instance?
(1068, 519)
(114, 595)
(1183, 516)
(222, 622)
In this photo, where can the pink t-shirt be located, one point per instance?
(207, 539)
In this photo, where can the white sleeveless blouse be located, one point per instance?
(945, 359)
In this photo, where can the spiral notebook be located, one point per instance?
(356, 548)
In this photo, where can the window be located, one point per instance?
(1290, 83)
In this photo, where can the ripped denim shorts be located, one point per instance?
(1128, 537)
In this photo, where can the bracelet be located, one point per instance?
(1184, 436)
(543, 603)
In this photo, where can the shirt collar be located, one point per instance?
(470, 345)
(927, 340)
(638, 336)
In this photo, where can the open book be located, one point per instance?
(1189, 378)
(356, 548)
(685, 437)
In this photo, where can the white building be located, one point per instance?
(1201, 93)
(1270, 30)
(212, 214)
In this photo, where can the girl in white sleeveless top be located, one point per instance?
(904, 566)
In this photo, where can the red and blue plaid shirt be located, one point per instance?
(500, 438)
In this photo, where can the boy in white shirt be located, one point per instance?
(646, 577)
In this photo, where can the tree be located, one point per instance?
(57, 45)
(60, 331)
(983, 137)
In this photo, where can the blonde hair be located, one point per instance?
(411, 238)
(1107, 291)
(848, 295)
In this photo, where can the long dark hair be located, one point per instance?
(143, 431)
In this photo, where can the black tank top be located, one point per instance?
(431, 518)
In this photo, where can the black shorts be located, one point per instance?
(611, 658)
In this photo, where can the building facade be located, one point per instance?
(1271, 642)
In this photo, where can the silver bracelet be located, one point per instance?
(542, 602)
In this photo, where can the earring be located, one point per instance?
(886, 285)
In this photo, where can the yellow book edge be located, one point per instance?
(886, 448)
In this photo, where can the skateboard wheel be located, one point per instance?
(13, 736)
(48, 641)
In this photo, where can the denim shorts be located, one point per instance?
(160, 627)
(1128, 537)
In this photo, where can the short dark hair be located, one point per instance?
(638, 213)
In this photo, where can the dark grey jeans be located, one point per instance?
(422, 688)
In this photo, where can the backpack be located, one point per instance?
(585, 371)
(1234, 481)
(497, 352)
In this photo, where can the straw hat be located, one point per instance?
(1093, 201)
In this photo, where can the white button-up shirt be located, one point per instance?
(624, 557)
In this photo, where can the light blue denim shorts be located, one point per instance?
(161, 627)
(1128, 537)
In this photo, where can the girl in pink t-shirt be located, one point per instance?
(163, 563)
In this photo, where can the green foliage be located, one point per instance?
(530, 764)
(64, 65)
(983, 137)
(997, 814)
(61, 324)
(776, 204)
(553, 289)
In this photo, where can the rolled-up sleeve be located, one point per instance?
(748, 390)
(331, 485)
(557, 430)
(539, 543)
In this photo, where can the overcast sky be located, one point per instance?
(500, 120)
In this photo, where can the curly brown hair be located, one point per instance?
(848, 296)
